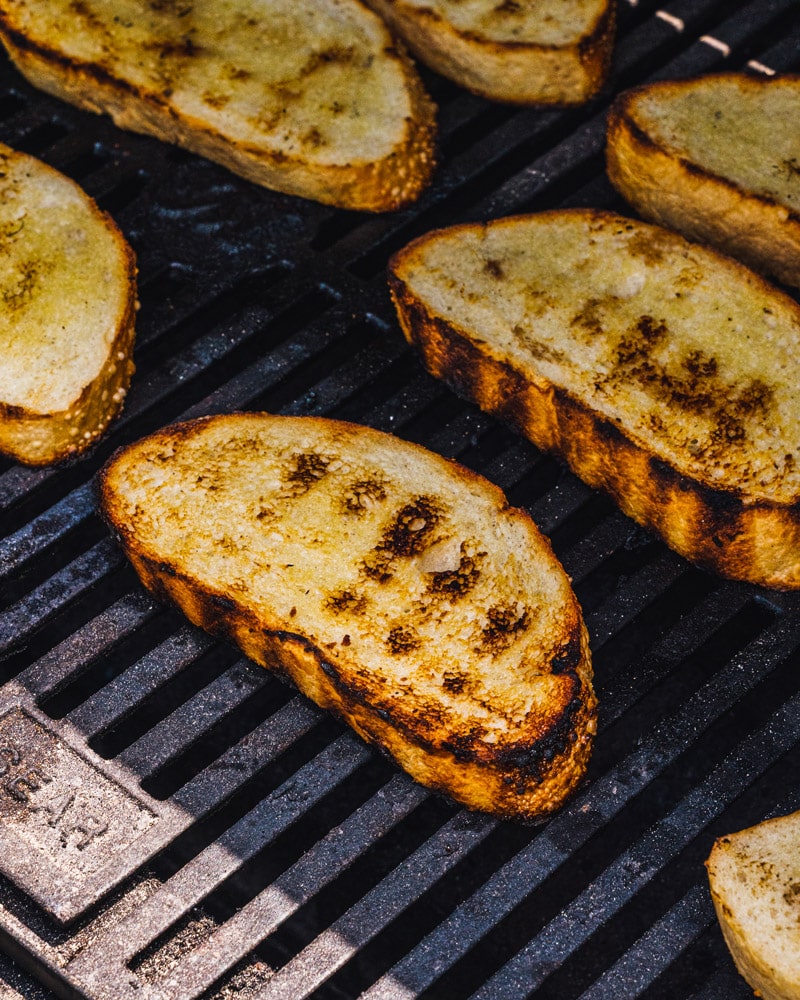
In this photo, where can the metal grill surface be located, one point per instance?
(221, 836)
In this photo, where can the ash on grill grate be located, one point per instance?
(254, 848)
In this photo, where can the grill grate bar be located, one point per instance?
(332, 948)
(696, 629)
(316, 869)
(197, 879)
(80, 576)
(121, 695)
(41, 532)
(638, 865)
(188, 723)
(572, 827)
(782, 57)
(656, 949)
(49, 674)
(247, 757)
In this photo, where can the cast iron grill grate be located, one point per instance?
(226, 838)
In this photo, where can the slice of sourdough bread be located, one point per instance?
(67, 304)
(664, 373)
(718, 159)
(550, 52)
(309, 97)
(755, 884)
(394, 587)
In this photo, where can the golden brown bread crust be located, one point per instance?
(753, 882)
(45, 436)
(386, 184)
(721, 530)
(514, 72)
(524, 778)
(668, 188)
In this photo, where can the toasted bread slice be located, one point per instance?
(755, 884)
(310, 97)
(393, 587)
(664, 373)
(67, 305)
(549, 52)
(717, 159)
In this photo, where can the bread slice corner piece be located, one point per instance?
(394, 587)
(309, 97)
(663, 372)
(67, 307)
(754, 876)
(716, 158)
(548, 53)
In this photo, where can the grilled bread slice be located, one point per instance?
(67, 302)
(755, 884)
(664, 373)
(549, 52)
(394, 587)
(717, 159)
(310, 97)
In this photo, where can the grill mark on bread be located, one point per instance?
(503, 623)
(397, 663)
(411, 529)
(346, 602)
(361, 495)
(457, 582)
(407, 534)
(402, 639)
(307, 468)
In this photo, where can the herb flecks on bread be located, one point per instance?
(310, 98)
(716, 158)
(550, 52)
(666, 374)
(67, 304)
(394, 587)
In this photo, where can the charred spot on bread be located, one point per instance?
(457, 582)
(362, 495)
(410, 530)
(402, 639)
(436, 664)
(306, 469)
(346, 602)
(503, 623)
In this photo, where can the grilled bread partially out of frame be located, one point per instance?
(755, 885)
(716, 158)
(548, 52)
(310, 97)
(67, 306)
(394, 587)
(665, 374)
